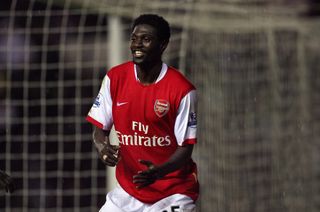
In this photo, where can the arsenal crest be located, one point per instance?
(161, 107)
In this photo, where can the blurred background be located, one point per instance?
(255, 64)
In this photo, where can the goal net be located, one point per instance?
(255, 64)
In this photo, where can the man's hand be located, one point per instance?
(109, 154)
(6, 182)
(148, 176)
(153, 172)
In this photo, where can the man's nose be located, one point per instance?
(137, 42)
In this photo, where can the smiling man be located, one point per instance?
(153, 109)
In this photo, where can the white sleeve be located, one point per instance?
(100, 113)
(185, 128)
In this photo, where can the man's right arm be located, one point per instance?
(108, 153)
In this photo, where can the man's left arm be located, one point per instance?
(154, 172)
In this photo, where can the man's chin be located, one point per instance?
(138, 61)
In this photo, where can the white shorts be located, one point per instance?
(118, 200)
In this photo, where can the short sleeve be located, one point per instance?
(100, 113)
(185, 128)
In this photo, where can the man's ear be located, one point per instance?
(163, 45)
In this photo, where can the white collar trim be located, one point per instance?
(163, 72)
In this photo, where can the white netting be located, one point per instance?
(255, 64)
(52, 60)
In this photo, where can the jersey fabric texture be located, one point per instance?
(151, 121)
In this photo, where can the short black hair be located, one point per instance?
(156, 21)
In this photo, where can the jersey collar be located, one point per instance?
(163, 72)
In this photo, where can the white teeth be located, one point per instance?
(138, 53)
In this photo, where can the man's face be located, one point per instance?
(145, 45)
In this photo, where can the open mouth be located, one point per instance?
(138, 53)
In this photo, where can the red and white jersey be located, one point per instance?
(151, 121)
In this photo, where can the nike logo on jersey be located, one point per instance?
(121, 103)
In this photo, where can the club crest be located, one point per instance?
(161, 107)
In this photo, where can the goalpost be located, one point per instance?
(255, 65)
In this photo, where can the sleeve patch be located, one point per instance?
(97, 101)
(192, 122)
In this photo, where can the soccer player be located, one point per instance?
(153, 109)
(6, 182)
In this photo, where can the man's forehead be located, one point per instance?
(144, 29)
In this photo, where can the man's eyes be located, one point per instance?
(146, 39)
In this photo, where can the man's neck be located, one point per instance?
(148, 74)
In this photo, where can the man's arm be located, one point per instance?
(108, 153)
(179, 158)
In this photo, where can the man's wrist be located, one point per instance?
(99, 145)
(160, 171)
